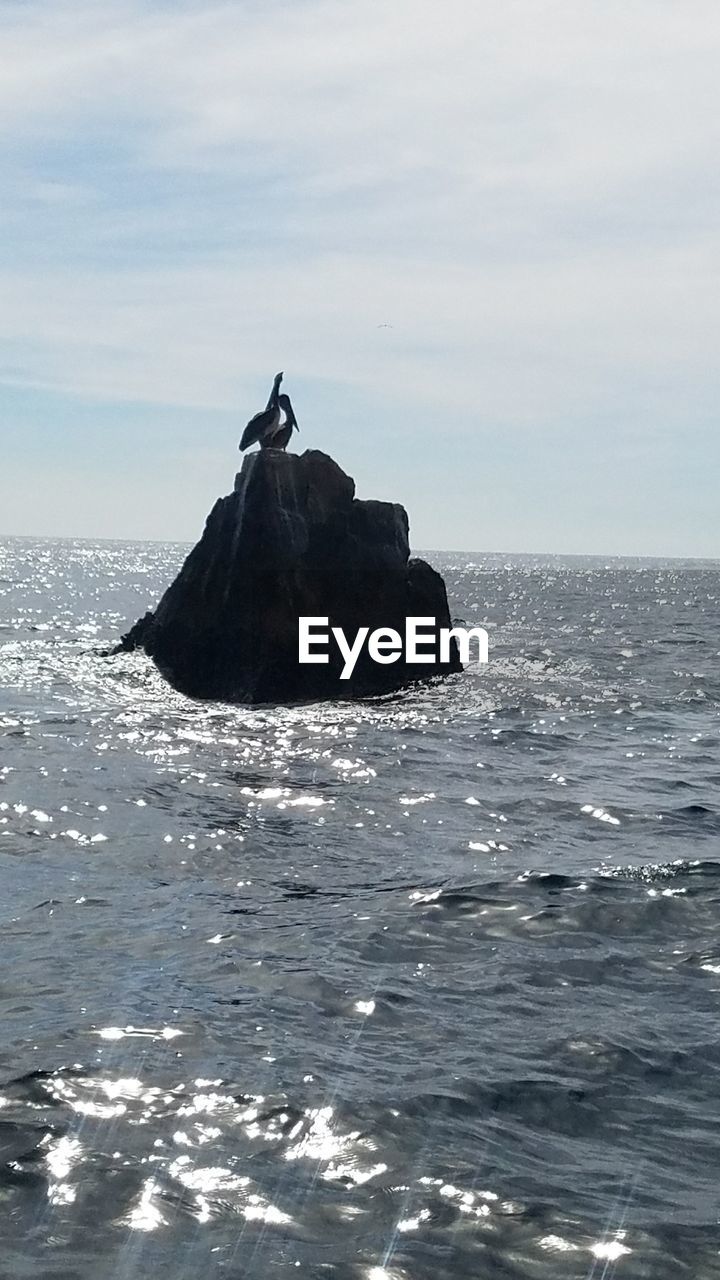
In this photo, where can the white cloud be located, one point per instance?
(524, 190)
(535, 341)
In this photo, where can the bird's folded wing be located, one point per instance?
(253, 430)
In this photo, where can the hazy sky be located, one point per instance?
(480, 237)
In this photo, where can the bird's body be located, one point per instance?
(266, 421)
(278, 437)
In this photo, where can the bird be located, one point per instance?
(267, 420)
(279, 437)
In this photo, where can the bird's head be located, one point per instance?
(284, 402)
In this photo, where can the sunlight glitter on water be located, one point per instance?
(146, 1215)
(61, 1158)
(609, 1250)
(329, 977)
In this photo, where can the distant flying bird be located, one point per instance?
(267, 420)
(279, 437)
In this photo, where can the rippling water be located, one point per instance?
(417, 988)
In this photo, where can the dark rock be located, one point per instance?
(291, 541)
(136, 636)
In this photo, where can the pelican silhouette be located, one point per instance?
(279, 437)
(267, 420)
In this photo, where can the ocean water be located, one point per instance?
(415, 988)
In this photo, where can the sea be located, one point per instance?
(415, 988)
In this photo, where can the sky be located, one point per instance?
(481, 239)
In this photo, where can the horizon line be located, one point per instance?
(445, 551)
